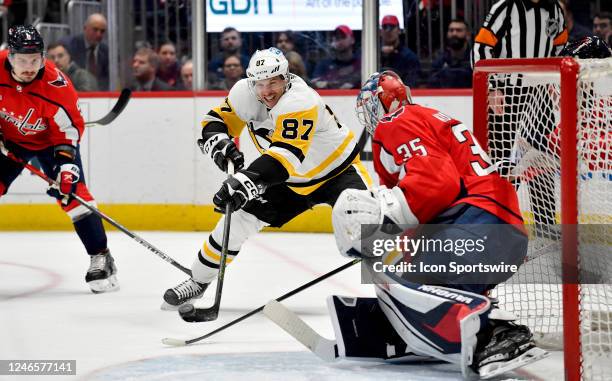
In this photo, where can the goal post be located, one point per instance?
(546, 123)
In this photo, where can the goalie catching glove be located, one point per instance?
(360, 214)
(67, 174)
(221, 148)
(237, 190)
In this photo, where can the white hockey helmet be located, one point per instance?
(266, 64)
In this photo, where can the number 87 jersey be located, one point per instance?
(437, 163)
(300, 132)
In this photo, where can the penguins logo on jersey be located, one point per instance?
(60, 81)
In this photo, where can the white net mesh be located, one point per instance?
(524, 140)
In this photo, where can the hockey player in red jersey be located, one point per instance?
(434, 172)
(40, 118)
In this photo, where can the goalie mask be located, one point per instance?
(381, 94)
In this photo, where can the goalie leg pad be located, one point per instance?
(435, 321)
(363, 331)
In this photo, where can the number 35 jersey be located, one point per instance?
(300, 132)
(437, 163)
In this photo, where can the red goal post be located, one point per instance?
(559, 102)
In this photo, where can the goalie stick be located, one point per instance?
(195, 315)
(95, 210)
(325, 349)
(179, 342)
(123, 100)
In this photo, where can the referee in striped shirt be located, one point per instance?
(523, 29)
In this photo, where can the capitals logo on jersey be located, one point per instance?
(60, 81)
(21, 122)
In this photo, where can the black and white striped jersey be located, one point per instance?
(521, 29)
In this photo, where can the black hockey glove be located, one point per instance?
(221, 149)
(66, 173)
(237, 191)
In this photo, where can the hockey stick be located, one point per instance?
(123, 100)
(196, 315)
(324, 348)
(95, 210)
(179, 342)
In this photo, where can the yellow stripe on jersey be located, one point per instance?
(284, 162)
(359, 167)
(216, 258)
(330, 159)
(296, 129)
(362, 171)
(234, 124)
(255, 142)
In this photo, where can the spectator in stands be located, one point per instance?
(231, 44)
(395, 55)
(285, 42)
(144, 67)
(169, 68)
(602, 26)
(343, 71)
(89, 51)
(80, 78)
(576, 31)
(233, 71)
(452, 67)
(187, 76)
(297, 66)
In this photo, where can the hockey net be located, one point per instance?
(547, 124)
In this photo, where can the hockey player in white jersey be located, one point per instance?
(307, 157)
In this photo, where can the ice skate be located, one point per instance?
(505, 346)
(183, 293)
(102, 273)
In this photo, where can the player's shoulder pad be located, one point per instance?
(55, 81)
(242, 98)
(297, 98)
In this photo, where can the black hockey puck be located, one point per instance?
(187, 310)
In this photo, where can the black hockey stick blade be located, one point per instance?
(188, 312)
(123, 100)
(191, 314)
(180, 342)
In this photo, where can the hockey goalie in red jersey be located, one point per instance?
(433, 173)
(40, 118)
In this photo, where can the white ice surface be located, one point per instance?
(47, 312)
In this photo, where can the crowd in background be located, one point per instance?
(333, 63)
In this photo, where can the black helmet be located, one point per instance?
(25, 39)
(587, 47)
